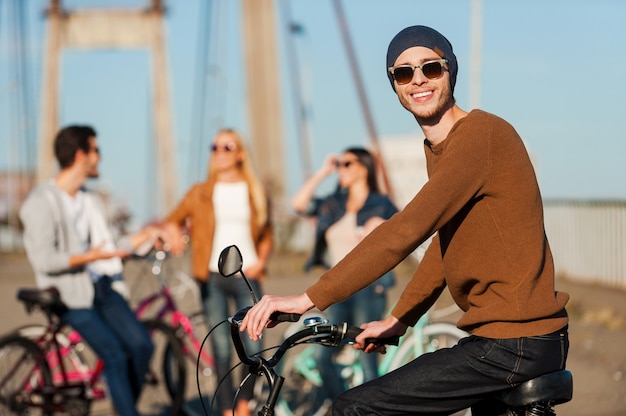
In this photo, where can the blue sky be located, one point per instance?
(554, 69)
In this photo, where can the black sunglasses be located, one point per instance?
(403, 74)
(346, 164)
(228, 147)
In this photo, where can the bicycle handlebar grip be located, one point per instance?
(285, 317)
(354, 331)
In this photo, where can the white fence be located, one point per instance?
(588, 240)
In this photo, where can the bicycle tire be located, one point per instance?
(163, 392)
(206, 370)
(434, 336)
(25, 379)
(198, 321)
(300, 395)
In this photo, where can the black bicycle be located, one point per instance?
(536, 397)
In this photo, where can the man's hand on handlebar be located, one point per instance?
(258, 318)
(387, 328)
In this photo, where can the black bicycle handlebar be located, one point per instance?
(354, 331)
(330, 335)
(231, 263)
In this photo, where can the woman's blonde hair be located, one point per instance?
(247, 169)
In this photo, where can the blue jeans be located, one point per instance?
(119, 339)
(366, 305)
(217, 292)
(452, 379)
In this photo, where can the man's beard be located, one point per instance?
(435, 115)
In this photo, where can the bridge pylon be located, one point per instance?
(114, 28)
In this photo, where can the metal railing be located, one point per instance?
(588, 240)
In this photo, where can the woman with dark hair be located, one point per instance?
(344, 217)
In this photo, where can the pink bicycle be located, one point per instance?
(48, 372)
(73, 370)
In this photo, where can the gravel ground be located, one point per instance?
(597, 328)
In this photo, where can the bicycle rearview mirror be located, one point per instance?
(230, 261)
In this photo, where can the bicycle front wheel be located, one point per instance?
(433, 337)
(25, 379)
(302, 393)
(164, 388)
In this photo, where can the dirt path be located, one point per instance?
(597, 328)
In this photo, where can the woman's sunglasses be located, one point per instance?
(228, 147)
(403, 74)
(345, 164)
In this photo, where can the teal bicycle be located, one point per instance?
(537, 396)
(303, 393)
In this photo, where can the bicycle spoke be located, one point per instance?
(24, 377)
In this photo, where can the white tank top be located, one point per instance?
(342, 237)
(232, 222)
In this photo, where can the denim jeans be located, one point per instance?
(452, 379)
(119, 339)
(217, 292)
(364, 306)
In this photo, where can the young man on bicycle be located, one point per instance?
(70, 247)
(483, 205)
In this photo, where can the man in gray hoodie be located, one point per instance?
(70, 246)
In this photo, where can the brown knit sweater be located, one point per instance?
(491, 250)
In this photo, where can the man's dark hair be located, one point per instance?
(69, 140)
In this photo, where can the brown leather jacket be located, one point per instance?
(197, 206)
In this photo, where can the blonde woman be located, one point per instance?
(230, 207)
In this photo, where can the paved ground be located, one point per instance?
(597, 329)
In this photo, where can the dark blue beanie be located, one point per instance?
(426, 37)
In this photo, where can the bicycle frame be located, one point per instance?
(331, 335)
(536, 396)
(44, 366)
(56, 355)
(315, 331)
(305, 363)
(177, 318)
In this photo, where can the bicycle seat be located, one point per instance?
(44, 298)
(556, 387)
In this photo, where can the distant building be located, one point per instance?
(405, 163)
(14, 187)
